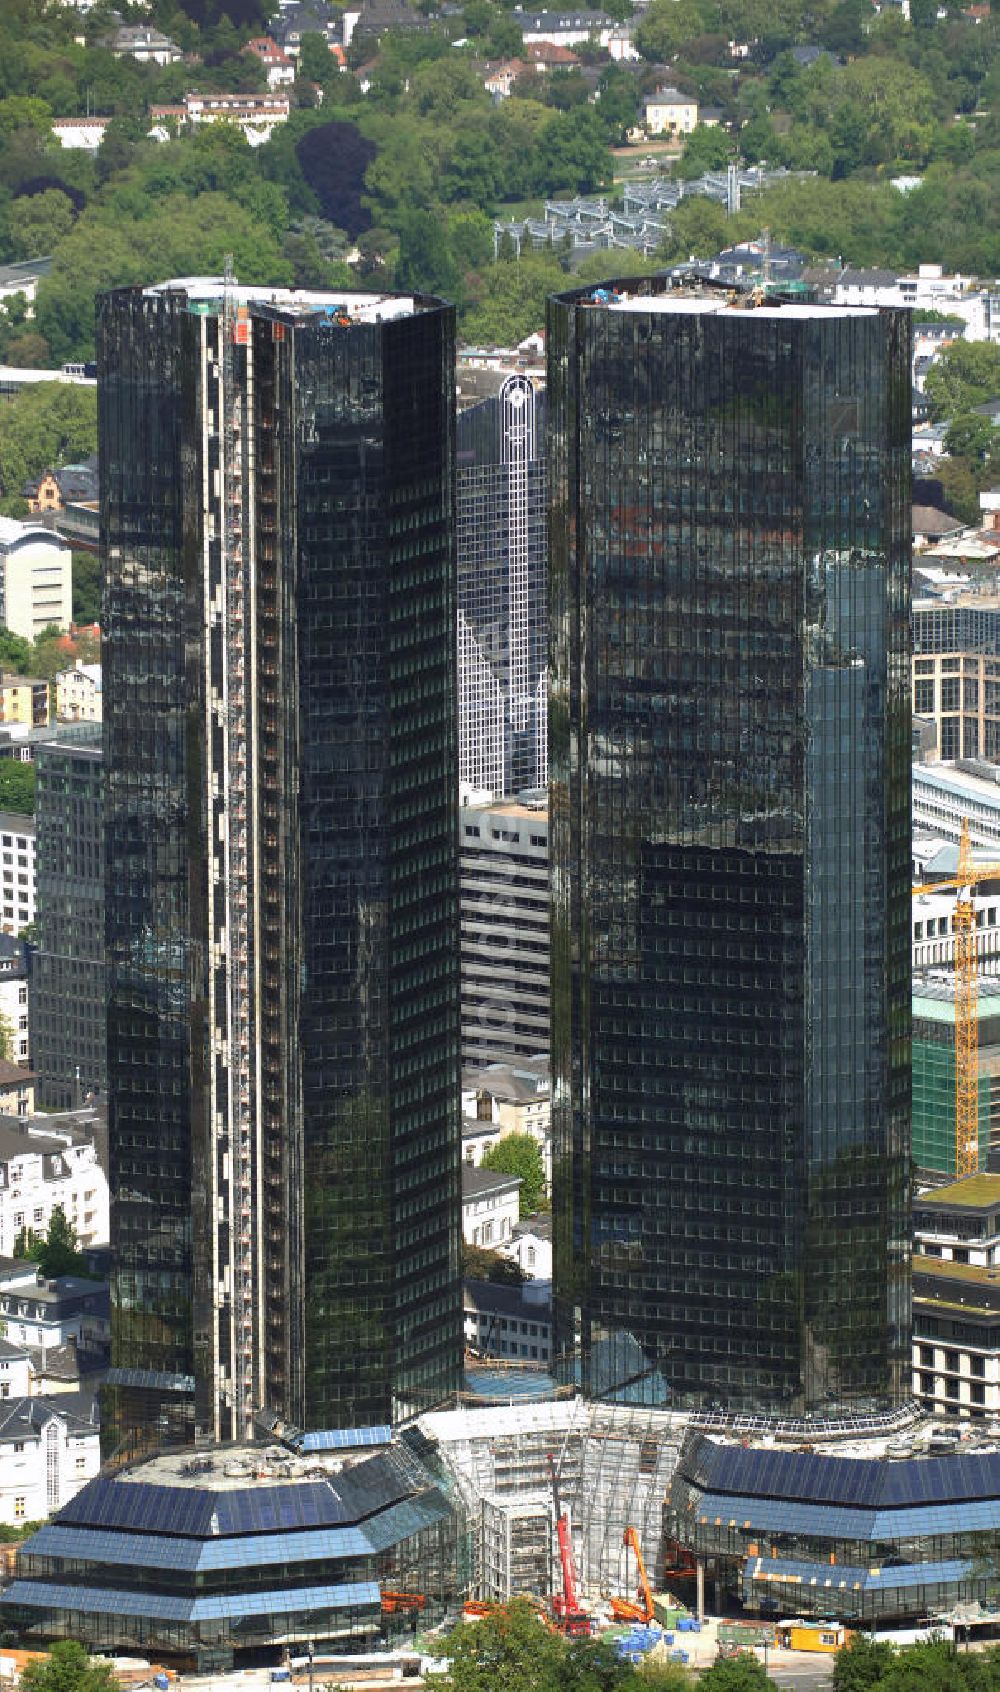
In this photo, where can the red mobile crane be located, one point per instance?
(569, 1617)
(622, 1608)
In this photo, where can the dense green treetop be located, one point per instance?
(17, 784)
(519, 1154)
(68, 1668)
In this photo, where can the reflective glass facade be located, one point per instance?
(859, 1539)
(277, 519)
(237, 1556)
(729, 832)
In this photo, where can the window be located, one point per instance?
(19, 1509)
(81, 1462)
(951, 1362)
(19, 1445)
(978, 1392)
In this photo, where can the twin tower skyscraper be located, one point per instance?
(729, 749)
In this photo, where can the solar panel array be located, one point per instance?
(132, 1504)
(199, 1512)
(859, 1482)
(343, 1439)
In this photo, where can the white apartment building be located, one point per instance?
(78, 694)
(36, 589)
(490, 1206)
(44, 1168)
(47, 1454)
(15, 1014)
(44, 1314)
(17, 871)
(258, 115)
(929, 289)
(80, 134)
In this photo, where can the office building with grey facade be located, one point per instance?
(504, 871)
(69, 986)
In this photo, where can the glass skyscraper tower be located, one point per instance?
(277, 523)
(729, 832)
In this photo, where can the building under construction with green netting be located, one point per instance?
(934, 1072)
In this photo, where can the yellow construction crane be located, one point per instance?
(966, 1000)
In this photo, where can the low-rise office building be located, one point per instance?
(946, 794)
(509, 1322)
(213, 1557)
(15, 1001)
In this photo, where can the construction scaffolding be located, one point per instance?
(614, 1464)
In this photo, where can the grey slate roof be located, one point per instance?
(476, 1183)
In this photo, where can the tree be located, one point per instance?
(512, 304)
(68, 1668)
(862, 1663)
(510, 1650)
(15, 652)
(698, 228)
(665, 27)
(972, 436)
(742, 1673)
(26, 1243)
(520, 1154)
(86, 588)
(48, 424)
(934, 1667)
(480, 1264)
(426, 263)
(17, 787)
(28, 351)
(57, 1252)
(40, 221)
(967, 374)
(705, 149)
(7, 1040)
